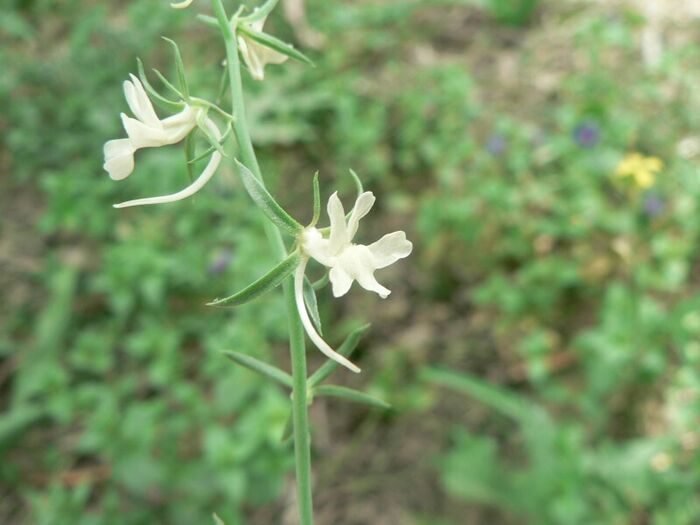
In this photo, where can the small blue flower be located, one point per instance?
(496, 145)
(220, 262)
(587, 134)
(653, 205)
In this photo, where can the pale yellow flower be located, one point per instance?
(640, 169)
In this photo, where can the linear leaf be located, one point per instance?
(274, 43)
(267, 204)
(167, 83)
(262, 11)
(260, 367)
(351, 395)
(210, 149)
(357, 181)
(317, 201)
(160, 100)
(497, 398)
(345, 349)
(321, 283)
(179, 67)
(267, 282)
(190, 155)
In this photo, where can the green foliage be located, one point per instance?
(573, 292)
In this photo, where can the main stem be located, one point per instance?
(302, 443)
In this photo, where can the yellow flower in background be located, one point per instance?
(642, 170)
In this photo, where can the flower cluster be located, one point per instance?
(640, 169)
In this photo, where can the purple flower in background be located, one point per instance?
(220, 262)
(653, 204)
(496, 144)
(587, 134)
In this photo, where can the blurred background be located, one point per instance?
(542, 343)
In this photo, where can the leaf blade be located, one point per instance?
(264, 284)
(351, 395)
(260, 367)
(345, 349)
(275, 43)
(267, 203)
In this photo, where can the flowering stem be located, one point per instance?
(302, 444)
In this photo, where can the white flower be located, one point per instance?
(256, 56)
(181, 5)
(148, 131)
(347, 261)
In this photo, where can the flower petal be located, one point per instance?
(251, 58)
(369, 282)
(119, 158)
(363, 205)
(358, 262)
(339, 237)
(340, 280)
(139, 102)
(178, 126)
(193, 188)
(142, 135)
(390, 248)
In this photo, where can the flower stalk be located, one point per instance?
(302, 440)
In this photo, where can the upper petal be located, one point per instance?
(390, 248)
(139, 102)
(142, 135)
(339, 237)
(363, 205)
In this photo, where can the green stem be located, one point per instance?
(302, 442)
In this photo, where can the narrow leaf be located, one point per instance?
(322, 282)
(312, 305)
(345, 349)
(180, 67)
(288, 430)
(208, 20)
(217, 519)
(497, 398)
(358, 182)
(210, 149)
(160, 100)
(261, 12)
(168, 84)
(190, 155)
(267, 282)
(267, 204)
(211, 139)
(317, 201)
(274, 43)
(260, 367)
(351, 395)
